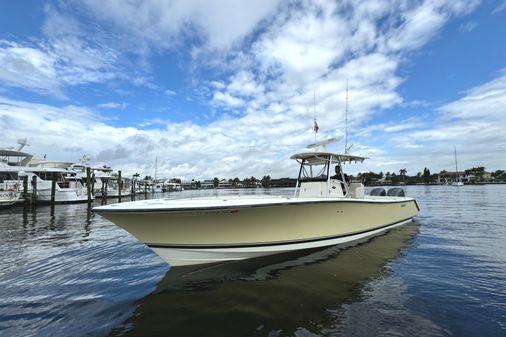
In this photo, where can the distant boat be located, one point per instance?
(457, 181)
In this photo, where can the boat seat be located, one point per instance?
(356, 190)
(317, 189)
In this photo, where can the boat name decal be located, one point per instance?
(8, 195)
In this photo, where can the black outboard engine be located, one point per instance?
(378, 191)
(396, 192)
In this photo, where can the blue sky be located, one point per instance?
(225, 88)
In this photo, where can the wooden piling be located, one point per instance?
(34, 190)
(25, 192)
(120, 186)
(105, 184)
(53, 192)
(88, 185)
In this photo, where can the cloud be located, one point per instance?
(499, 8)
(170, 93)
(218, 24)
(223, 148)
(256, 65)
(468, 26)
(475, 123)
(227, 100)
(113, 105)
(50, 66)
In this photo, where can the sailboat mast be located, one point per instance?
(156, 166)
(314, 114)
(346, 120)
(456, 168)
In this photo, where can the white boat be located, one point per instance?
(171, 186)
(69, 187)
(108, 184)
(10, 186)
(322, 212)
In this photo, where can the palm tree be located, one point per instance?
(402, 173)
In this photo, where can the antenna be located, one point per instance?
(346, 147)
(346, 120)
(315, 126)
(22, 142)
(156, 166)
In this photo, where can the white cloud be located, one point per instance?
(266, 74)
(227, 100)
(254, 145)
(474, 123)
(468, 26)
(170, 93)
(484, 102)
(219, 23)
(48, 67)
(499, 8)
(113, 105)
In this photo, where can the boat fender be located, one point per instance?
(396, 192)
(378, 191)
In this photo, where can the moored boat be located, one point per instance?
(323, 211)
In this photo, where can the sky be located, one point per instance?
(230, 88)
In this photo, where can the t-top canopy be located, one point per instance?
(321, 158)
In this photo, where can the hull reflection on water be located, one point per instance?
(269, 294)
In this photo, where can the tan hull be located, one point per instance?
(263, 225)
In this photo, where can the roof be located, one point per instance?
(13, 153)
(320, 158)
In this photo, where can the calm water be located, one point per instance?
(76, 274)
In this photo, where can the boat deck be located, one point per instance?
(227, 202)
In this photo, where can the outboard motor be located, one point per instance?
(378, 191)
(396, 192)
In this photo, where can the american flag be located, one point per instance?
(315, 127)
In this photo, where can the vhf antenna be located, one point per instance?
(346, 147)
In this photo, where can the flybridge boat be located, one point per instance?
(14, 165)
(323, 211)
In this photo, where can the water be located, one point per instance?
(76, 274)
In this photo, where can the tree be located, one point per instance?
(235, 182)
(499, 175)
(216, 182)
(402, 173)
(426, 175)
(266, 181)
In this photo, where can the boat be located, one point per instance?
(10, 186)
(105, 183)
(457, 181)
(323, 211)
(69, 187)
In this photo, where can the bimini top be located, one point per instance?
(321, 158)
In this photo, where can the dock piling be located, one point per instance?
(53, 191)
(88, 185)
(120, 185)
(25, 192)
(34, 190)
